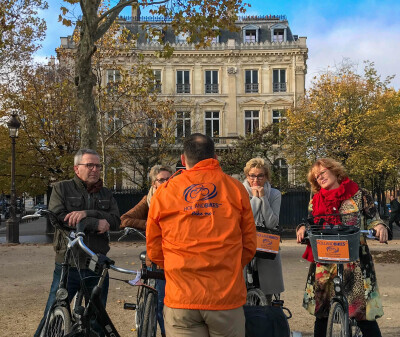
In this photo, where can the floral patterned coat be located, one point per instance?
(359, 277)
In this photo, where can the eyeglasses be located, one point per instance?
(259, 177)
(162, 180)
(91, 166)
(320, 175)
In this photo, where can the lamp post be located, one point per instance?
(12, 230)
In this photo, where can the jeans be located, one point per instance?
(73, 285)
(160, 287)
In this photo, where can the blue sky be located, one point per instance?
(355, 29)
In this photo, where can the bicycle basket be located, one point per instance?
(268, 241)
(335, 238)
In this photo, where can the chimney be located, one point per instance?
(135, 12)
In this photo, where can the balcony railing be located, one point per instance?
(156, 88)
(183, 88)
(211, 88)
(279, 87)
(217, 140)
(251, 87)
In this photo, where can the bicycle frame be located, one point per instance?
(341, 298)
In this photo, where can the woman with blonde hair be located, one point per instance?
(336, 193)
(137, 218)
(266, 203)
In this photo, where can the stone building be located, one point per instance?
(242, 81)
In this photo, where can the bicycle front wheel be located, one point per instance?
(337, 322)
(256, 297)
(150, 316)
(59, 323)
(355, 329)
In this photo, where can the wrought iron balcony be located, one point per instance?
(251, 87)
(279, 87)
(211, 88)
(183, 88)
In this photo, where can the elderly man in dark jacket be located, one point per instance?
(84, 200)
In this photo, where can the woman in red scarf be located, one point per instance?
(336, 193)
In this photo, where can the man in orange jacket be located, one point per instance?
(201, 230)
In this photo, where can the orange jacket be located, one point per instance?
(201, 230)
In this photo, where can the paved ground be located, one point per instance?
(26, 272)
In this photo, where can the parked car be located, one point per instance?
(40, 206)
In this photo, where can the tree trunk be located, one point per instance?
(86, 81)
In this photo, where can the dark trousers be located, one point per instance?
(393, 219)
(368, 328)
(73, 286)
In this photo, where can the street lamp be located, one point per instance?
(12, 231)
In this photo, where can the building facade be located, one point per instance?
(241, 82)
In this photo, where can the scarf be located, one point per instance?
(95, 187)
(328, 202)
(259, 214)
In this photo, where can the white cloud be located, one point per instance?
(41, 59)
(357, 39)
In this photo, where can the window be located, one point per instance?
(183, 127)
(251, 121)
(250, 36)
(211, 86)
(113, 76)
(157, 81)
(277, 117)
(153, 128)
(279, 80)
(214, 39)
(251, 81)
(212, 123)
(281, 172)
(155, 35)
(182, 38)
(278, 35)
(182, 82)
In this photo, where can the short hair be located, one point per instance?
(78, 156)
(260, 164)
(332, 165)
(198, 147)
(156, 169)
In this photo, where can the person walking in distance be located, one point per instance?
(82, 199)
(201, 230)
(394, 212)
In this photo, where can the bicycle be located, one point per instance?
(335, 239)
(62, 321)
(147, 296)
(263, 318)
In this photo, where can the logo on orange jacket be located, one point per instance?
(199, 192)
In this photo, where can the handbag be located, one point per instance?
(266, 321)
(268, 241)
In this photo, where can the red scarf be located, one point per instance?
(328, 202)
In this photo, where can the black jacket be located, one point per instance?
(394, 209)
(71, 195)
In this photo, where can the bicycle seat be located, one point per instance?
(143, 256)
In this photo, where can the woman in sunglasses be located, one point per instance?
(266, 203)
(137, 217)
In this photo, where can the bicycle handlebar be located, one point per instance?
(129, 230)
(123, 270)
(79, 240)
